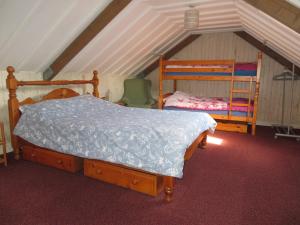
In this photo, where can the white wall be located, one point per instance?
(230, 46)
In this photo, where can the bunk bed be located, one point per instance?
(71, 132)
(233, 112)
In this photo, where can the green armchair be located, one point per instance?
(137, 93)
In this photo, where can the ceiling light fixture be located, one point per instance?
(191, 18)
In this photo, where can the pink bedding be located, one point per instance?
(186, 101)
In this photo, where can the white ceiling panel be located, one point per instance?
(34, 32)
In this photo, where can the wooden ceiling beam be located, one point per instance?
(171, 53)
(268, 51)
(104, 18)
(283, 11)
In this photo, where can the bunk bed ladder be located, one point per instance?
(234, 91)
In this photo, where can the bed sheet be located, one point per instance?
(147, 139)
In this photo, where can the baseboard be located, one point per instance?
(268, 124)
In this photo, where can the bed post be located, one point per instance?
(203, 142)
(95, 84)
(168, 188)
(13, 108)
(257, 84)
(160, 91)
(174, 86)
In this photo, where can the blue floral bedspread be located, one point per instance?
(148, 139)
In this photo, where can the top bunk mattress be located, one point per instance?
(240, 69)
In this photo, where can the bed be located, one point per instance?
(236, 110)
(128, 147)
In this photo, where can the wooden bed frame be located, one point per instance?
(134, 179)
(227, 122)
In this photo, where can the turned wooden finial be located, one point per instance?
(11, 81)
(95, 84)
(10, 70)
(95, 72)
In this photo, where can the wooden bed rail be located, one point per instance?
(12, 85)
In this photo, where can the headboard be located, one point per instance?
(12, 85)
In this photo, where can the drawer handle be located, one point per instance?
(59, 161)
(135, 181)
(98, 171)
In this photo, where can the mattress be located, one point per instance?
(220, 105)
(240, 69)
(236, 73)
(148, 139)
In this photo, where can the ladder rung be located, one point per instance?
(239, 104)
(240, 90)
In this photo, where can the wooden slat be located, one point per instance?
(171, 53)
(208, 77)
(240, 91)
(239, 104)
(187, 77)
(195, 70)
(104, 18)
(268, 51)
(244, 78)
(54, 82)
(204, 77)
(199, 62)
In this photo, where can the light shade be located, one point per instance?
(191, 18)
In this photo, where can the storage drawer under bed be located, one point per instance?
(147, 183)
(51, 158)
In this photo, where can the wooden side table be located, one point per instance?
(3, 144)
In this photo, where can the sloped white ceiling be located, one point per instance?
(34, 32)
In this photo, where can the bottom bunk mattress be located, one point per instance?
(148, 139)
(213, 105)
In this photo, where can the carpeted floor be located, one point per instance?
(245, 180)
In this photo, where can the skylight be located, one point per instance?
(294, 2)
